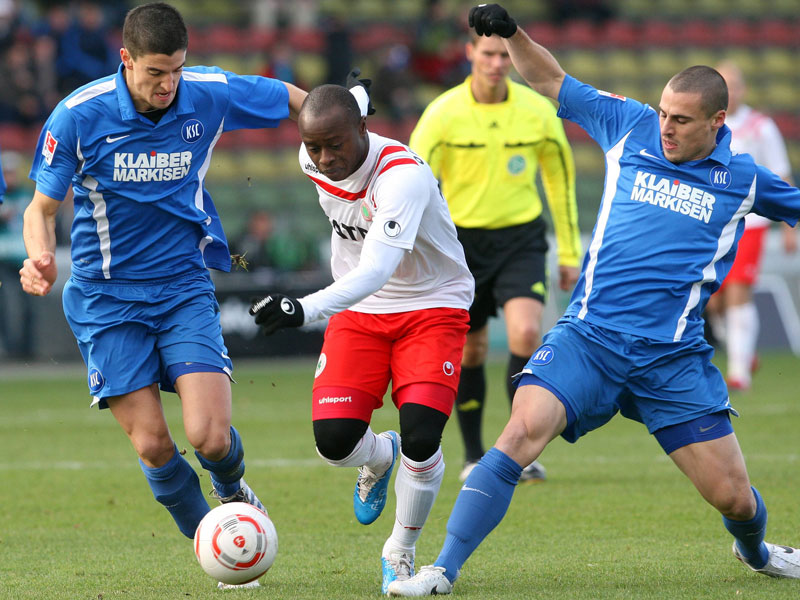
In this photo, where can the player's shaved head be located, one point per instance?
(705, 81)
(155, 28)
(333, 131)
(326, 97)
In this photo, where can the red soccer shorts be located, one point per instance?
(363, 352)
(748, 257)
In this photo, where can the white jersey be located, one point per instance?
(758, 135)
(393, 198)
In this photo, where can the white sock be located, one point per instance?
(373, 451)
(416, 487)
(742, 325)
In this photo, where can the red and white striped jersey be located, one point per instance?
(757, 134)
(394, 198)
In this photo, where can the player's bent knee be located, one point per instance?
(738, 504)
(337, 438)
(155, 451)
(420, 430)
(211, 444)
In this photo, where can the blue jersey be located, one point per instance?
(141, 208)
(666, 234)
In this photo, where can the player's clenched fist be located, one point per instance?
(37, 276)
(277, 311)
(488, 19)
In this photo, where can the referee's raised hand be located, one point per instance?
(488, 19)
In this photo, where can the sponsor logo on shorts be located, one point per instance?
(720, 177)
(323, 360)
(335, 399)
(191, 131)
(96, 381)
(516, 164)
(448, 368)
(542, 356)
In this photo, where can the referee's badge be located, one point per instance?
(516, 164)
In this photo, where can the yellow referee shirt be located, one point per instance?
(486, 157)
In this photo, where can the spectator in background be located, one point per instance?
(437, 54)
(16, 310)
(394, 83)
(731, 311)
(338, 50)
(265, 246)
(279, 63)
(83, 50)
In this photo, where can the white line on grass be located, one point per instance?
(76, 465)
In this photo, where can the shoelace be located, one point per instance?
(366, 480)
(401, 563)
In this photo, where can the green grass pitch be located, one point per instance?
(615, 520)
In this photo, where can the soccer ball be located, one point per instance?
(236, 543)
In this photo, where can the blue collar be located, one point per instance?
(722, 153)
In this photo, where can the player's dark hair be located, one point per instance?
(155, 28)
(705, 81)
(324, 97)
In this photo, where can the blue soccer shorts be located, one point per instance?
(597, 372)
(130, 333)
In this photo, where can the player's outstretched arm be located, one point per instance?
(39, 272)
(534, 62)
(296, 97)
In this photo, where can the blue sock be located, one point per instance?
(480, 506)
(176, 486)
(750, 534)
(226, 473)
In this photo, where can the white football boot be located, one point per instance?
(430, 581)
(783, 561)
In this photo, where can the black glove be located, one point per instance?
(353, 81)
(492, 18)
(277, 311)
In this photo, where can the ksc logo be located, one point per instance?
(542, 356)
(192, 131)
(96, 381)
(720, 177)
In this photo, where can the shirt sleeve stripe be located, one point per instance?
(395, 162)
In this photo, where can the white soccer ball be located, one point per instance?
(236, 543)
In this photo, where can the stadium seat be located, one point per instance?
(543, 33)
(736, 32)
(579, 33)
(223, 38)
(620, 34)
(662, 63)
(776, 32)
(656, 32)
(699, 33)
(779, 62)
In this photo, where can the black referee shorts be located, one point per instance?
(506, 263)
